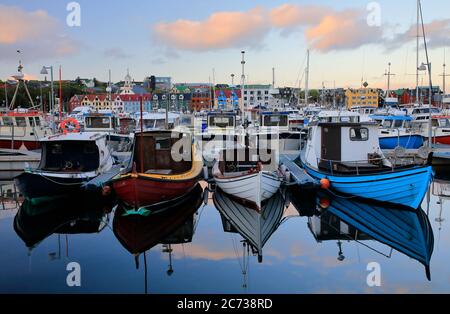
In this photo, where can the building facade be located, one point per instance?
(362, 97)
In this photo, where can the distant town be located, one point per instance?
(124, 96)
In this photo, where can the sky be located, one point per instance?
(202, 40)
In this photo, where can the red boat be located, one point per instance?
(156, 176)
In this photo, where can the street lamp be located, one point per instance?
(45, 72)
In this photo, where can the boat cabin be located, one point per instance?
(334, 116)
(157, 120)
(163, 152)
(221, 121)
(392, 122)
(100, 122)
(21, 120)
(74, 153)
(344, 147)
(274, 120)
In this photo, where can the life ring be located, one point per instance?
(70, 125)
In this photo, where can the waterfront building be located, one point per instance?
(362, 97)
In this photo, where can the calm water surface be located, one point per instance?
(204, 254)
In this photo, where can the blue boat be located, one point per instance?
(395, 131)
(349, 156)
(406, 231)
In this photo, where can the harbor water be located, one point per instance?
(43, 245)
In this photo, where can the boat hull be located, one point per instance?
(406, 141)
(37, 185)
(442, 139)
(138, 191)
(18, 143)
(406, 187)
(255, 188)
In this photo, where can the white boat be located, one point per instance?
(221, 132)
(248, 175)
(67, 161)
(273, 132)
(255, 227)
(14, 161)
(157, 120)
(22, 128)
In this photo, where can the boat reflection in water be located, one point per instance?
(405, 230)
(81, 213)
(256, 227)
(172, 225)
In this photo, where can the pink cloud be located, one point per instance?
(36, 34)
(291, 15)
(342, 30)
(220, 30)
(325, 29)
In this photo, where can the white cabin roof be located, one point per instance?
(83, 136)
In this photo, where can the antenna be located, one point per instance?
(388, 74)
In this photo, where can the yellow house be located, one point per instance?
(362, 97)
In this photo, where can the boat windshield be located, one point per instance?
(221, 121)
(98, 122)
(70, 156)
(275, 120)
(444, 122)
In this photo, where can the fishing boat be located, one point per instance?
(273, 128)
(14, 161)
(404, 230)
(174, 224)
(22, 128)
(248, 174)
(67, 161)
(348, 155)
(440, 128)
(119, 131)
(396, 131)
(165, 165)
(255, 227)
(221, 132)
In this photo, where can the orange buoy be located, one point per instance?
(325, 183)
(324, 203)
(70, 125)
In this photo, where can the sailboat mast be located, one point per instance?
(417, 51)
(242, 85)
(307, 79)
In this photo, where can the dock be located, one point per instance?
(299, 176)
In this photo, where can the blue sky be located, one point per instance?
(118, 35)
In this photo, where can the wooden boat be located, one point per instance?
(14, 161)
(255, 227)
(156, 176)
(349, 156)
(407, 231)
(247, 174)
(67, 161)
(22, 128)
(173, 225)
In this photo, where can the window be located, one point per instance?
(20, 122)
(7, 121)
(266, 92)
(398, 123)
(162, 143)
(387, 124)
(359, 134)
